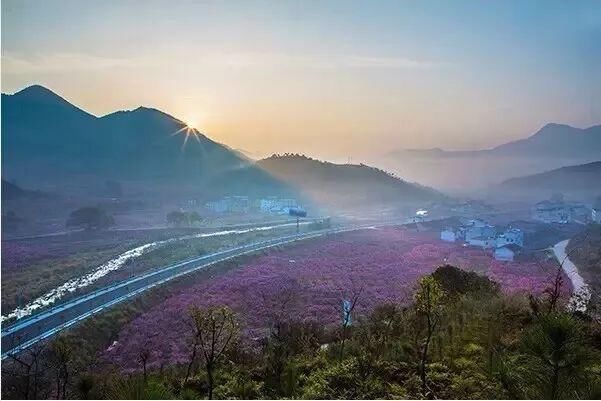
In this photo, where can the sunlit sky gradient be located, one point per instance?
(328, 78)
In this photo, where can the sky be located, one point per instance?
(332, 79)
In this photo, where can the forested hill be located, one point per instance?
(331, 183)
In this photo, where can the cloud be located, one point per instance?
(278, 60)
(58, 62)
(15, 64)
(390, 62)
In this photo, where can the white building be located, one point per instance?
(507, 253)
(511, 236)
(551, 212)
(579, 212)
(482, 242)
(479, 230)
(448, 235)
(596, 214)
(218, 206)
(229, 204)
(274, 204)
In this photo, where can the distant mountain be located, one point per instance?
(556, 140)
(331, 184)
(552, 140)
(48, 142)
(585, 177)
(551, 147)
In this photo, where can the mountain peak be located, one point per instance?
(41, 96)
(555, 129)
(38, 92)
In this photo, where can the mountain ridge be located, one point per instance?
(579, 181)
(555, 132)
(52, 142)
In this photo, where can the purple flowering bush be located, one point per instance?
(309, 281)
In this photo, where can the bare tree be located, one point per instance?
(61, 357)
(214, 330)
(143, 356)
(428, 306)
(346, 322)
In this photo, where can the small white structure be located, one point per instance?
(506, 253)
(448, 235)
(228, 204)
(274, 204)
(511, 236)
(422, 213)
(479, 230)
(596, 214)
(551, 212)
(482, 242)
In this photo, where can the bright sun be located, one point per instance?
(192, 123)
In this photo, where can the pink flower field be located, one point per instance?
(308, 281)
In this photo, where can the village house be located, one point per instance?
(507, 253)
(511, 236)
(478, 230)
(475, 232)
(551, 212)
(482, 241)
(273, 204)
(448, 234)
(230, 204)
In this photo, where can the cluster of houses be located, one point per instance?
(476, 232)
(552, 211)
(243, 204)
(556, 210)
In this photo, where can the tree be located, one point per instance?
(348, 309)
(214, 331)
(558, 354)
(61, 357)
(193, 218)
(179, 218)
(428, 306)
(90, 218)
(455, 281)
(24, 370)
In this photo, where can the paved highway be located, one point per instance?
(26, 332)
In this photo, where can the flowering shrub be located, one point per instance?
(309, 281)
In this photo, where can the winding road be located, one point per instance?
(581, 294)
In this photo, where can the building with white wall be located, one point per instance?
(507, 253)
(448, 235)
(551, 212)
(511, 236)
(273, 204)
(482, 242)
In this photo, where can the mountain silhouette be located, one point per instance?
(584, 177)
(324, 183)
(48, 142)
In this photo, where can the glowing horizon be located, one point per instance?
(330, 80)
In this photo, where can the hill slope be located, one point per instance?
(585, 177)
(49, 142)
(335, 184)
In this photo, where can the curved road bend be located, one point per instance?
(582, 293)
(26, 332)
